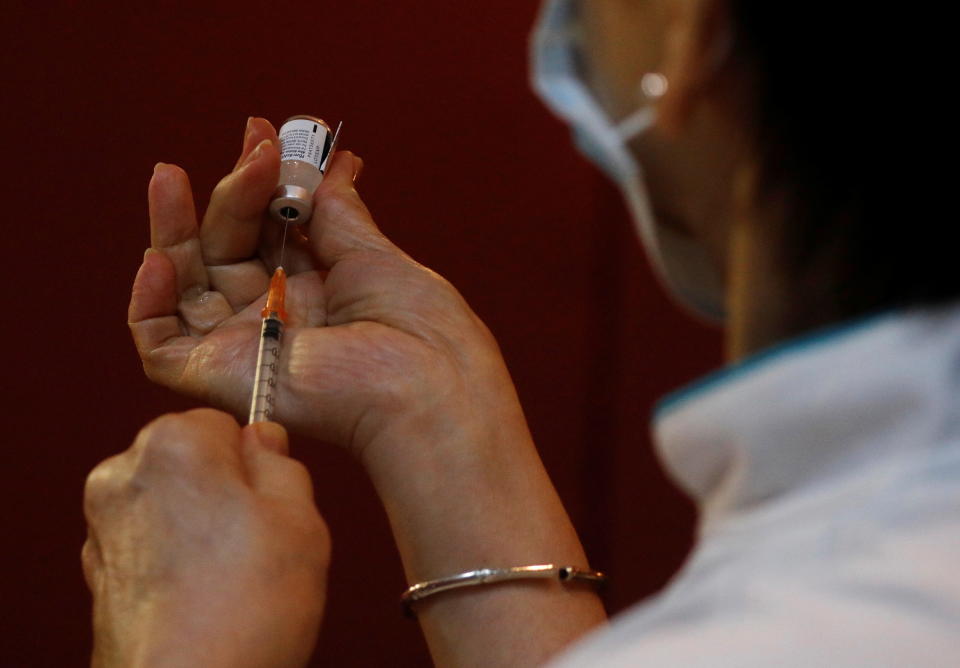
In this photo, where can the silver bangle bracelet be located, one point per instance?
(421, 590)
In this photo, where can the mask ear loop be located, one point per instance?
(653, 86)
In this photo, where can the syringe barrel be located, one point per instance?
(305, 142)
(264, 399)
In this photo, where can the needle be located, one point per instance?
(283, 243)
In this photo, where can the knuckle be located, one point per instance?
(101, 486)
(210, 427)
(150, 369)
(314, 533)
(171, 454)
(297, 473)
(166, 443)
(89, 567)
(182, 441)
(161, 367)
(89, 558)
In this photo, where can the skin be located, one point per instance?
(699, 161)
(164, 592)
(384, 358)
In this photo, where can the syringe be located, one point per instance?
(263, 403)
(306, 148)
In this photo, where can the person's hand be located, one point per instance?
(372, 338)
(205, 548)
(384, 357)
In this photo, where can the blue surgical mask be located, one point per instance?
(682, 264)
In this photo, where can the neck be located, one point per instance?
(765, 304)
(757, 311)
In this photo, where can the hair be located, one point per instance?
(842, 132)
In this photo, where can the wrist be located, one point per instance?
(168, 643)
(474, 437)
(465, 488)
(454, 414)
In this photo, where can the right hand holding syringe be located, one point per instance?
(372, 337)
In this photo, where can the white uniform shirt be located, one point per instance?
(827, 474)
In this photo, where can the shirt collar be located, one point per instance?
(813, 411)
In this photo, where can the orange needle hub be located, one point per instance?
(276, 296)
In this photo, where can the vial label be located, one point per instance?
(304, 140)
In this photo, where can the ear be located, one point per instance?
(697, 60)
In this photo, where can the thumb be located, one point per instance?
(269, 469)
(269, 435)
(341, 223)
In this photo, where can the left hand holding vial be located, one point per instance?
(205, 548)
(374, 340)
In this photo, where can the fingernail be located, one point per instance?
(157, 166)
(249, 127)
(255, 153)
(270, 435)
(357, 167)
(149, 251)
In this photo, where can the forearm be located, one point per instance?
(465, 491)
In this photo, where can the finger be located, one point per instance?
(173, 225)
(154, 292)
(159, 334)
(357, 168)
(174, 232)
(231, 227)
(248, 142)
(190, 446)
(341, 223)
(270, 470)
(257, 129)
(217, 370)
(90, 560)
(151, 315)
(240, 283)
(100, 490)
(269, 435)
(154, 304)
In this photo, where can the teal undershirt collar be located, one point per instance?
(796, 345)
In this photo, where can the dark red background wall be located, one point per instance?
(464, 169)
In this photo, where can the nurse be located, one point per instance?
(745, 138)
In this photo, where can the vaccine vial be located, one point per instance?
(305, 145)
